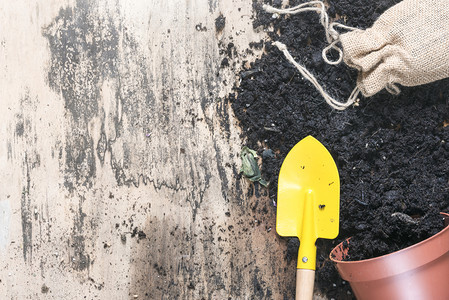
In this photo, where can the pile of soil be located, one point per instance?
(392, 152)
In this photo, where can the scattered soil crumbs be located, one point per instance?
(139, 233)
(220, 23)
(392, 152)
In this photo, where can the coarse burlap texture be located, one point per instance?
(407, 45)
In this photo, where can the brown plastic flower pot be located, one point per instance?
(420, 271)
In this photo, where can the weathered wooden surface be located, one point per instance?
(118, 155)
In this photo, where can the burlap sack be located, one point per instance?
(408, 44)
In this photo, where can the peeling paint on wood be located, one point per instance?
(119, 156)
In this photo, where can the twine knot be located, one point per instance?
(332, 36)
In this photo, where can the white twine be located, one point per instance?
(332, 36)
(393, 89)
(307, 75)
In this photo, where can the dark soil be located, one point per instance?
(392, 152)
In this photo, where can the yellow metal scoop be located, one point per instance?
(308, 205)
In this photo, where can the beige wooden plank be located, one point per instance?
(118, 155)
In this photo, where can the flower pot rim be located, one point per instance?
(446, 215)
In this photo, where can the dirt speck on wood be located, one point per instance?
(220, 23)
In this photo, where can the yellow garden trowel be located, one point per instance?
(308, 205)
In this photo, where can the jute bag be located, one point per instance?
(407, 45)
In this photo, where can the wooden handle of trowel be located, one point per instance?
(304, 284)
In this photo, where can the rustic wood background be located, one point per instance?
(119, 155)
